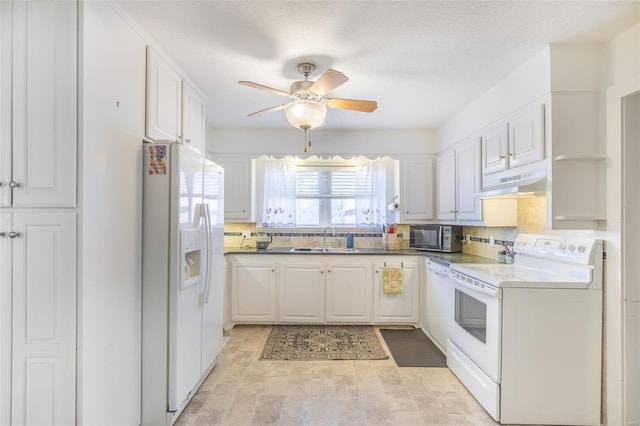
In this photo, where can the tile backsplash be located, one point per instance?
(531, 219)
(292, 238)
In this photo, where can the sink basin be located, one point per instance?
(324, 250)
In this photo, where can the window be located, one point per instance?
(326, 197)
(320, 193)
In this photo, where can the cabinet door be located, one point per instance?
(416, 185)
(526, 136)
(495, 154)
(44, 318)
(253, 291)
(398, 308)
(44, 104)
(468, 181)
(6, 37)
(193, 119)
(301, 290)
(237, 188)
(446, 186)
(349, 290)
(164, 99)
(5, 317)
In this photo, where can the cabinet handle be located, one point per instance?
(1, 183)
(14, 234)
(2, 234)
(407, 212)
(322, 272)
(14, 184)
(329, 271)
(273, 270)
(187, 140)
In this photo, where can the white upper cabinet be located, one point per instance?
(416, 189)
(459, 182)
(495, 148)
(515, 142)
(446, 194)
(38, 106)
(526, 136)
(238, 187)
(468, 181)
(193, 120)
(164, 99)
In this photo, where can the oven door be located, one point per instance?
(474, 325)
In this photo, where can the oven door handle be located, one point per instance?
(486, 290)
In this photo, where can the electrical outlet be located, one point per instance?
(406, 236)
(492, 241)
(246, 234)
(468, 238)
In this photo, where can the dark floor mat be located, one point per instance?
(412, 348)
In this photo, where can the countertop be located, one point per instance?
(445, 258)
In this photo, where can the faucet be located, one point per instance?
(324, 235)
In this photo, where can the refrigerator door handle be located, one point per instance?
(207, 221)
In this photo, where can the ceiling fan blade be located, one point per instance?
(328, 81)
(265, 88)
(275, 108)
(352, 104)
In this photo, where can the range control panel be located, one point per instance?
(567, 249)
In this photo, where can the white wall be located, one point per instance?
(112, 72)
(324, 141)
(528, 82)
(621, 78)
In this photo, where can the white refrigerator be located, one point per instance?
(182, 276)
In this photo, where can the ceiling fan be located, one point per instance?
(309, 106)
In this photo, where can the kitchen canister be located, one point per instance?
(349, 240)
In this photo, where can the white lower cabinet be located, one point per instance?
(301, 292)
(253, 291)
(318, 289)
(398, 308)
(349, 291)
(38, 322)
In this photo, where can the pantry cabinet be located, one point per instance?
(349, 291)
(301, 291)
(416, 189)
(38, 285)
(253, 291)
(38, 104)
(398, 308)
(514, 142)
(38, 174)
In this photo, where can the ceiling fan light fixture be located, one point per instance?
(306, 114)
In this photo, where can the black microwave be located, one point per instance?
(442, 238)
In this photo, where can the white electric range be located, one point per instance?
(526, 338)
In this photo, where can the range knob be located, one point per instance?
(581, 248)
(563, 246)
(572, 247)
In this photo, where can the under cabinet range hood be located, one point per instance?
(513, 184)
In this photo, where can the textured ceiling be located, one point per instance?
(421, 60)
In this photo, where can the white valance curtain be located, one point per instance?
(279, 193)
(371, 184)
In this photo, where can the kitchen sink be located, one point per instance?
(324, 250)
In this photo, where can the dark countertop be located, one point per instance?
(444, 258)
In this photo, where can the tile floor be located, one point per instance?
(242, 390)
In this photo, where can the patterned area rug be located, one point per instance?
(322, 342)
